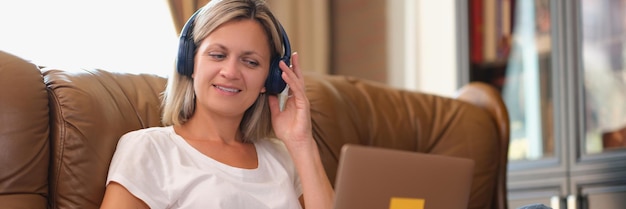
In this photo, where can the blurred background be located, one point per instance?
(365, 38)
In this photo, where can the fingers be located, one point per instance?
(295, 68)
(287, 72)
(293, 76)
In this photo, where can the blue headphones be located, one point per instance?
(274, 84)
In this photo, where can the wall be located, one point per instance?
(358, 39)
(436, 40)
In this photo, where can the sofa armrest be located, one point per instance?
(350, 110)
(24, 150)
(489, 99)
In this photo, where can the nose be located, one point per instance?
(230, 69)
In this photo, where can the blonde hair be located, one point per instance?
(179, 97)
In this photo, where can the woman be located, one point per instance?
(227, 143)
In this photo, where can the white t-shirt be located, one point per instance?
(159, 167)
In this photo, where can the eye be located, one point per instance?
(217, 55)
(251, 63)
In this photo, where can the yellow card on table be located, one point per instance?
(406, 203)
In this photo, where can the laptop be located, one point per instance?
(381, 178)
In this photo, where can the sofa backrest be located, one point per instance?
(90, 111)
(348, 110)
(24, 150)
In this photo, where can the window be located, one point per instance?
(135, 36)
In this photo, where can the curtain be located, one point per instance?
(183, 9)
(306, 22)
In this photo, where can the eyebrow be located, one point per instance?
(217, 45)
(222, 47)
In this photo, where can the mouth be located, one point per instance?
(227, 89)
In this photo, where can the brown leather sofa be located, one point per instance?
(59, 128)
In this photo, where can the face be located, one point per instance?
(230, 69)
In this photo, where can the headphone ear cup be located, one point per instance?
(186, 52)
(186, 48)
(274, 84)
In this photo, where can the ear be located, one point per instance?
(263, 90)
